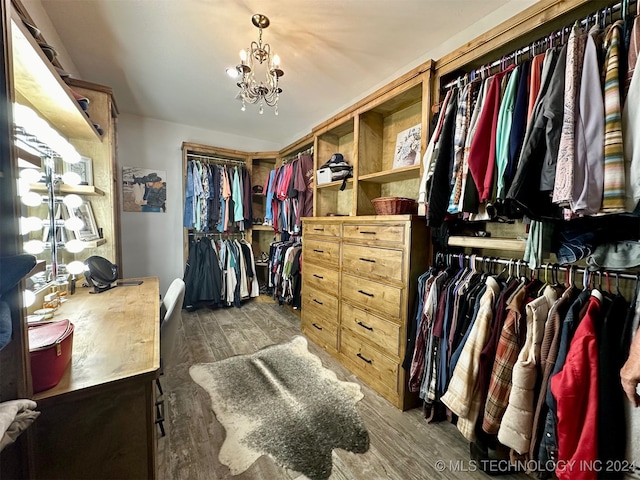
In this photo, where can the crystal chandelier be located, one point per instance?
(252, 90)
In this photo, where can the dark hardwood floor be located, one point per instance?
(403, 445)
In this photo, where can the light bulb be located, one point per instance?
(28, 298)
(74, 223)
(30, 224)
(243, 108)
(72, 201)
(23, 187)
(276, 61)
(243, 55)
(34, 247)
(70, 155)
(232, 72)
(261, 111)
(74, 246)
(31, 199)
(76, 267)
(71, 178)
(30, 175)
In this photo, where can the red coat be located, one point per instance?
(575, 388)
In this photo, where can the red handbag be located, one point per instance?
(50, 346)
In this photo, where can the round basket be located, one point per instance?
(394, 205)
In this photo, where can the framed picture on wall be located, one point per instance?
(84, 168)
(407, 147)
(89, 229)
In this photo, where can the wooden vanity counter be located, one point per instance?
(98, 422)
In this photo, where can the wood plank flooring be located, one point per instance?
(403, 445)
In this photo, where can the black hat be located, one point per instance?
(152, 177)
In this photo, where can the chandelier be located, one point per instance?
(253, 90)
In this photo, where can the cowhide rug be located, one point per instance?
(280, 401)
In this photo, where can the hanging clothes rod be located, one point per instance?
(216, 234)
(308, 151)
(212, 159)
(485, 70)
(545, 266)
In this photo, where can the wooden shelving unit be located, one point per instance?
(395, 175)
(262, 228)
(39, 86)
(95, 243)
(28, 160)
(509, 244)
(335, 185)
(89, 190)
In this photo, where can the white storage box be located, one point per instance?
(323, 176)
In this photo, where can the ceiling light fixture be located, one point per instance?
(251, 90)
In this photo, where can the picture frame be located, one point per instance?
(84, 168)
(89, 231)
(407, 150)
(61, 233)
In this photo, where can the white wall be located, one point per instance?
(152, 242)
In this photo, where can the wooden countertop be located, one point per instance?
(116, 336)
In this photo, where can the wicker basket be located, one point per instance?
(394, 205)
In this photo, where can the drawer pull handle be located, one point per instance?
(316, 325)
(364, 232)
(367, 260)
(365, 293)
(319, 229)
(318, 302)
(363, 358)
(365, 326)
(318, 276)
(318, 251)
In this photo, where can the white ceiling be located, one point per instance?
(166, 59)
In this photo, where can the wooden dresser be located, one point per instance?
(98, 422)
(359, 283)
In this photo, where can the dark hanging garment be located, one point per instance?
(518, 124)
(440, 189)
(524, 195)
(247, 201)
(190, 275)
(612, 433)
(209, 277)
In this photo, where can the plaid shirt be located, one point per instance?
(463, 396)
(507, 352)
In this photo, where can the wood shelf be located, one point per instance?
(262, 228)
(262, 264)
(395, 175)
(335, 185)
(89, 190)
(28, 160)
(488, 243)
(39, 86)
(95, 243)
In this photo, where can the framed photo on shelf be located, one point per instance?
(407, 151)
(84, 168)
(84, 212)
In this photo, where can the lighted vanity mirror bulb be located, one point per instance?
(74, 246)
(30, 224)
(31, 199)
(34, 247)
(71, 156)
(76, 267)
(29, 298)
(74, 223)
(30, 175)
(72, 201)
(71, 178)
(24, 187)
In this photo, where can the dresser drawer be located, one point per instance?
(375, 330)
(330, 229)
(324, 253)
(320, 304)
(374, 367)
(319, 278)
(322, 332)
(380, 262)
(374, 233)
(372, 295)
